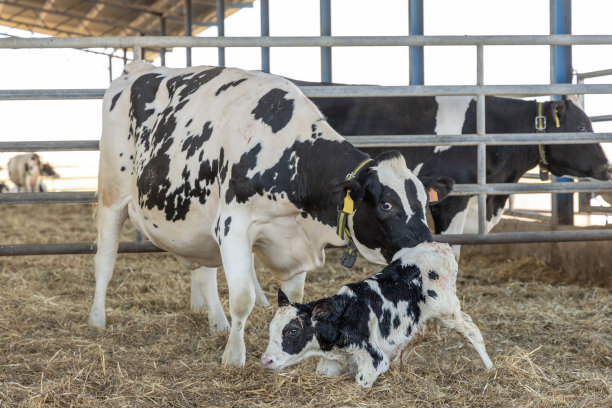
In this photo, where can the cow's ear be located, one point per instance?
(321, 310)
(559, 108)
(437, 188)
(283, 300)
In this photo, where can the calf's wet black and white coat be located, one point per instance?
(367, 323)
(217, 164)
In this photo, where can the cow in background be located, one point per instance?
(25, 171)
(445, 115)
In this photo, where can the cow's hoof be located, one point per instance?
(230, 359)
(96, 321)
(219, 328)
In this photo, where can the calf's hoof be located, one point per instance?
(232, 358)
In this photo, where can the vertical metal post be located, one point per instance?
(265, 32)
(187, 6)
(110, 67)
(326, 57)
(137, 52)
(221, 29)
(162, 31)
(417, 75)
(124, 57)
(561, 23)
(481, 155)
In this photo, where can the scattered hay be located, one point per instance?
(551, 343)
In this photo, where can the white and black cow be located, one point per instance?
(367, 323)
(443, 115)
(217, 164)
(25, 171)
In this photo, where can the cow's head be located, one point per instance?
(47, 170)
(293, 332)
(578, 160)
(390, 207)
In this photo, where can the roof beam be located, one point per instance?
(41, 16)
(29, 26)
(53, 10)
(91, 14)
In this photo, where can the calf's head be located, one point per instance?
(294, 332)
(390, 207)
(578, 160)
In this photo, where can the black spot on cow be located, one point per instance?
(385, 324)
(274, 110)
(227, 223)
(195, 142)
(189, 122)
(225, 87)
(122, 168)
(155, 225)
(143, 92)
(120, 154)
(433, 275)
(114, 101)
(131, 157)
(190, 83)
(432, 293)
(396, 322)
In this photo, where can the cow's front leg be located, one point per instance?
(330, 368)
(294, 287)
(260, 296)
(204, 293)
(236, 253)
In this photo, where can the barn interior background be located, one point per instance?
(59, 56)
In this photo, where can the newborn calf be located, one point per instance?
(367, 323)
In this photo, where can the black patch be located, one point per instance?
(114, 101)
(385, 324)
(122, 168)
(396, 322)
(143, 91)
(195, 142)
(218, 230)
(120, 154)
(191, 82)
(228, 85)
(131, 157)
(433, 275)
(189, 122)
(432, 293)
(227, 223)
(155, 225)
(297, 333)
(274, 110)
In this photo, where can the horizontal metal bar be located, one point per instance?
(531, 188)
(322, 41)
(594, 74)
(458, 190)
(353, 91)
(526, 237)
(601, 118)
(491, 139)
(73, 249)
(528, 214)
(54, 145)
(47, 198)
(496, 238)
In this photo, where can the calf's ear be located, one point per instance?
(321, 310)
(283, 300)
(437, 188)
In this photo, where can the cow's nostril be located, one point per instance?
(267, 361)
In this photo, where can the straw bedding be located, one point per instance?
(550, 341)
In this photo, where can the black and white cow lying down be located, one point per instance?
(26, 171)
(215, 164)
(443, 115)
(366, 324)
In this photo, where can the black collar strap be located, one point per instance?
(350, 253)
(540, 125)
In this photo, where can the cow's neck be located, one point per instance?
(506, 115)
(323, 166)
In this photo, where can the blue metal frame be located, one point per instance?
(417, 74)
(561, 23)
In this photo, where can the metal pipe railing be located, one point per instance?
(329, 91)
(323, 41)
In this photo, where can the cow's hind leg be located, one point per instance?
(110, 221)
(260, 296)
(236, 253)
(204, 294)
(463, 323)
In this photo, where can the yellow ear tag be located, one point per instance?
(348, 203)
(433, 195)
(557, 119)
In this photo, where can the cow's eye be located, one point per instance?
(581, 128)
(293, 332)
(386, 206)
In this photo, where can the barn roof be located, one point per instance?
(76, 18)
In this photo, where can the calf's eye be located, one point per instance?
(386, 206)
(293, 332)
(581, 128)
